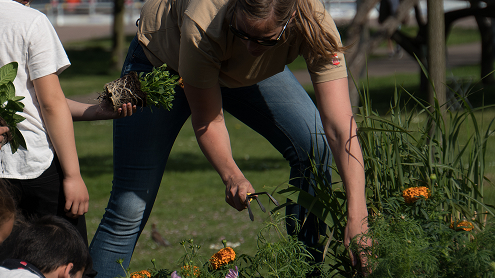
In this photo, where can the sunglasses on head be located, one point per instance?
(243, 36)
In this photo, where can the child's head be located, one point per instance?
(52, 242)
(7, 211)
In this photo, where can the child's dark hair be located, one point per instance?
(7, 204)
(50, 242)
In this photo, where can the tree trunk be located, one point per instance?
(118, 36)
(358, 37)
(436, 53)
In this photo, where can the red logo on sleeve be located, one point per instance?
(335, 60)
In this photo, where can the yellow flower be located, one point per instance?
(463, 225)
(222, 257)
(411, 194)
(141, 274)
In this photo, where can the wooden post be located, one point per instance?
(436, 52)
(118, 36)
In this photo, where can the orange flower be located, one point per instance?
(141, 274)
(463, 225)
(411, 194)
(222, 257)
(187, 268)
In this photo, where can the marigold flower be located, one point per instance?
(222, 257)
(141, 274)
(411, 194)
(463, 225)
(189, 268)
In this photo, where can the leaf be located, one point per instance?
(8, 73)
(14, 106)
(330, 212)
(3, 94)
(159, 86)
(17, 140)
(17, 118)
(10, 104)
(10, 90)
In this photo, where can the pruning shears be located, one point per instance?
(251, 196)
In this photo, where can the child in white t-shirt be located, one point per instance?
(45, 177)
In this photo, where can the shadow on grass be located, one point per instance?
(183, 162)
(96, 165)
(91, 57)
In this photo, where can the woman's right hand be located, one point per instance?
(213, 139)
(236, 190)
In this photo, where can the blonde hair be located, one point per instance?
(321, 42)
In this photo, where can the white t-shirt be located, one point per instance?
(16, 273)
(28, 38)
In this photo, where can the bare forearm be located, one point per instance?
(349, 161)
(341, 132)
(93, 112)
(213, 139)
(79, 111)
(58, 122)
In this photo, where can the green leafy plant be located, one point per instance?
(10, 105)
(281, 255)
(155, 88)
(159, 86)
(278, 255)
(153, 272)
(414, 240)
(420, 147)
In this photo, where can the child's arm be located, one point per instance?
(58, 123)
(91, 112)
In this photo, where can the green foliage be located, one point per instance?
(330, 206)
(422, 146)
(410, 147)
(411, 244)
(10, 104)
(278, 255)
(159, 86)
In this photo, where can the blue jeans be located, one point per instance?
(278, 108)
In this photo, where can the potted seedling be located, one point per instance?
(10, 104)
(153, 88)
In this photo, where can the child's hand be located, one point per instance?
(3, 130)
(126, 110)
(106, 111)
(76, 196)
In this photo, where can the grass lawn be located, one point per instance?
(190, 203)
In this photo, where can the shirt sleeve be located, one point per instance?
(46, 55)
(198, 65)
(327, 69)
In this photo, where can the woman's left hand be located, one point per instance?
(358, 228)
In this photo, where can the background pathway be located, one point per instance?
(458, 55)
